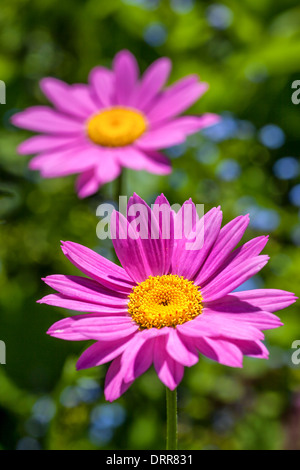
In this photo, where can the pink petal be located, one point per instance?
(107, 168)
(158, 223)
(44, 119)
(180, 350)
(132, 157)
(67, 99)
(114, 385)
(126, 72)
(205, 120)
(160, 138)
(104, 328)
(152, 81)
(252, 348)
(65, 162)
(87, 183)
(221, 351)
(174, 132)
(230, 278)
(128, 248)
(232, 307)
(60, 300)
(261, 320)
(135, 360)
(187, 212)
(86, 290)
(215, 325)
(190, 254)
(165, 218)
(97, 267)
(43, 143)
(138, 356)
(239, 256)
(85, 97)
(270, 300)
(62, 329)
(157, 163)
(228, 238)
(103, 83)
(140, 253)
(252, 248)
(101, 353)
(169, 371)
(176, 99)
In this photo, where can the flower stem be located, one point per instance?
(171, 419)
(119, 186)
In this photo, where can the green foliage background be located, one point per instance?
(250, 59)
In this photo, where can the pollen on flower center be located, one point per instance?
(167, 300)
(116, 127)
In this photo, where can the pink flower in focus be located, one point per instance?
(167, 303)
(118, 120)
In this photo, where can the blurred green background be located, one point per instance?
(249, 54)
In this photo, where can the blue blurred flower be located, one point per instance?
(182, 6)
(263, 219)
(147, 4)
(219, 16)
(176, 151)
(100, 436)
(286, 168)
(227, 128)
(28, 443)
(295, 235)
(271, 136)
(223, 420)
(178, 178)
(44, 409)
(244, 203)
(228, 170)
(246, 130)
(35, 427)
(294, 195)
(107, 416)
(70, 397)
(208, 153)
(88, 390)
(155, 34)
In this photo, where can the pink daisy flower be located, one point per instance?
(116, 121)
(166, 304)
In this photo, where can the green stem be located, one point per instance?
(171, 419)
(119, 186)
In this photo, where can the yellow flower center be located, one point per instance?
(116, 127)
(167, 300)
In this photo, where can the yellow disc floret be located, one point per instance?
(116, 127)
(167, 300)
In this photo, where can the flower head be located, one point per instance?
(173, 298)
(118, 120)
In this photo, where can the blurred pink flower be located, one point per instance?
(116, 121)
(153, 310)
